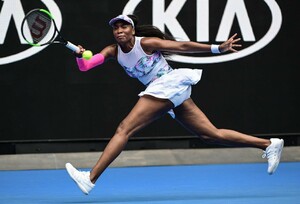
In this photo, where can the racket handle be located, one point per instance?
(71, 46)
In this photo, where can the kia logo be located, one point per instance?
(166, 17)
(234, 8)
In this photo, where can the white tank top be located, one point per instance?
(142, 66)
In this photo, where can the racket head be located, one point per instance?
(38, 27)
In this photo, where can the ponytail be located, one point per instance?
(149, 31)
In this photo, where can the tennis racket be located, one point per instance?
(38, 28)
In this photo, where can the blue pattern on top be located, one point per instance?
(145, 65)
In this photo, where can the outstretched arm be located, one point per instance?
(229, 44)
(152, 44)
(96, 60)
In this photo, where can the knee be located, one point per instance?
(122, 131)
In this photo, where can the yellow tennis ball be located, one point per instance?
(87, 54)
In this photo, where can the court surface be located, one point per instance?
(209, 183)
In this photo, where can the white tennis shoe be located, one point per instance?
(81, 178)
(273, 154)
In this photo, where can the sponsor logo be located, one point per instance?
(235, 14)
(234, 10)
(12, 10)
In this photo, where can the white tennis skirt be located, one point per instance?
(175, 86)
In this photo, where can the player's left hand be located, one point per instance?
(230, 44)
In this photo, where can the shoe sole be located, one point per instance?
(69, 167)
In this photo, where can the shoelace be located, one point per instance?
(264, 154)
(270, 154)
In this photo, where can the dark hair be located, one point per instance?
(149, 31)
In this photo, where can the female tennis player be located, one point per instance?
(141, 51)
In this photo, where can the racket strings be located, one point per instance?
(39, 25)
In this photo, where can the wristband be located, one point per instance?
(215, 49)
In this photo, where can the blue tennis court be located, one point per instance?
(214, 183)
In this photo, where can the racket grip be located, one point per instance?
(73, 47)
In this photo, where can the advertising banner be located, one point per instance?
(44, 96)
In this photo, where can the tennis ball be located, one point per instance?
(87, 54)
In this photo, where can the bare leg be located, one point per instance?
(191, 117)
(188, 114)
(144, 112)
